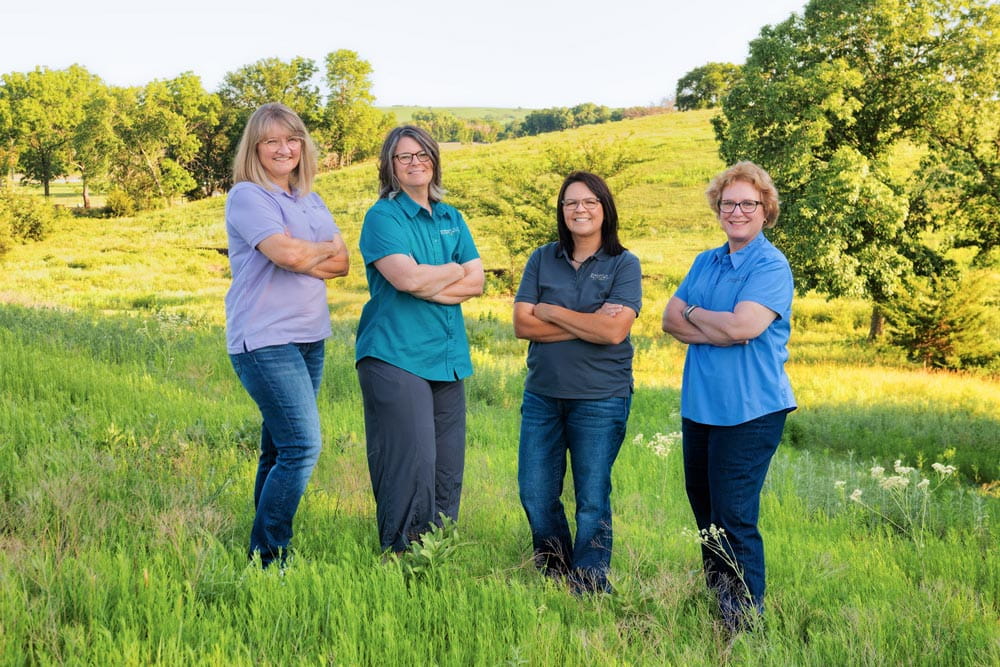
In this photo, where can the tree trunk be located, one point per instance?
(877, 324)
(86, 193)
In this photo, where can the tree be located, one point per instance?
(705, 86)
(272, 80)
(825, 103)
(519, 206)
(154, 145)
(354, 128)
(547, 120)
(45, 107)
(94, 141)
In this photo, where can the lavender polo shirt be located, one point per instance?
(267, 305)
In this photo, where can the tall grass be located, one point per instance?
(127, 451)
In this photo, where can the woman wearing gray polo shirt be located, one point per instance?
(576, 304)
(283, 247)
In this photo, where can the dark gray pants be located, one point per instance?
(415, 431)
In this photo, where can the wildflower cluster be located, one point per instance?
(660, 444)
(909, 508)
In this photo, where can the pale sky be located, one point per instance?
(506, 53)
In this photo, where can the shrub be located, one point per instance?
(24, 219)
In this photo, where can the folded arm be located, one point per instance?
(320, 259)
(468, 286)
(420, 280)
(547, 323)
(722, 328)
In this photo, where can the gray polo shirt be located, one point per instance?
(576, 368)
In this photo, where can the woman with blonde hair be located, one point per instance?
(283, 247)
(733, 309)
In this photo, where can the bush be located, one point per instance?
(120, 203)
(24, 219)
(945, 322)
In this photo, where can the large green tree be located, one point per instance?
(45, 107)
(353, 127)
(705, 86)
(273, 80)
(827, 102)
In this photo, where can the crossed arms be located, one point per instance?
(322, 259)
(721, 328)
(446, 284)
(548, 323)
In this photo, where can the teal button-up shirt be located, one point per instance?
(424, 338)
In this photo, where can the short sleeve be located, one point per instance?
(528, 291)
(770, 285)
(466, 250)
(381, 235)
(252, 215)
(627, 287)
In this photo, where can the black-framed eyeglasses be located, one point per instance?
(590, 203)
(747, 205)
(407, 158)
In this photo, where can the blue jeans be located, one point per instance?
(591, 431)
(724, 471)
(284, 382)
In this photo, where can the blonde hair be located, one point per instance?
(247, 165)
(751, 173)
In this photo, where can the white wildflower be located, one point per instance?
(901, 469)
(943, 470)
(878, 472)
(856, 495)
(924, 483)
(839, 484)
(895, 482)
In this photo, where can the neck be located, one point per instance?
(420, 195)
(585, 247)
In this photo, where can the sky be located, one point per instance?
(438, 53)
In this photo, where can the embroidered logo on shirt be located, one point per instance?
(447, 232)
(600, 276)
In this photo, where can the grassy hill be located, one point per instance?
(127, 448)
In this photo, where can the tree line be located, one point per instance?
(147, 145)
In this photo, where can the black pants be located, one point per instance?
(415, 432)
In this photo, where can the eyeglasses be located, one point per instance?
(747, 205)
(590, 203)
(294, 143)
(407, 158)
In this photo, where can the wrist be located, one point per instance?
(687, 311)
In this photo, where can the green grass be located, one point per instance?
(127, 451)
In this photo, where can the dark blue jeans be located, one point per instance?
(591, 431)
(284, 382)
(724, 471)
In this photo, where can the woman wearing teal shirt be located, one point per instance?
(412, 352)
(733, 309)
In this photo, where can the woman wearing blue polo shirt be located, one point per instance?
(576, 304)
(733, 309)
(283, 247)
(412, 352)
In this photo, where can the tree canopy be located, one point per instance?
(831, 101)
(705, 86)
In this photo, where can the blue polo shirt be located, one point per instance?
(576, 368)
(725, 386)
(266, 304)
(424, 338)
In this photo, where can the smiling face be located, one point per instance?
(414, 178)
(583, 223)
(741, 228)
(279, 153)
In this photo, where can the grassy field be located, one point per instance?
(127, 450)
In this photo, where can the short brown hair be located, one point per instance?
(751, 173)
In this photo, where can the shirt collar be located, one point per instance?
(411, 208)
(743, 254)
(600, 254)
